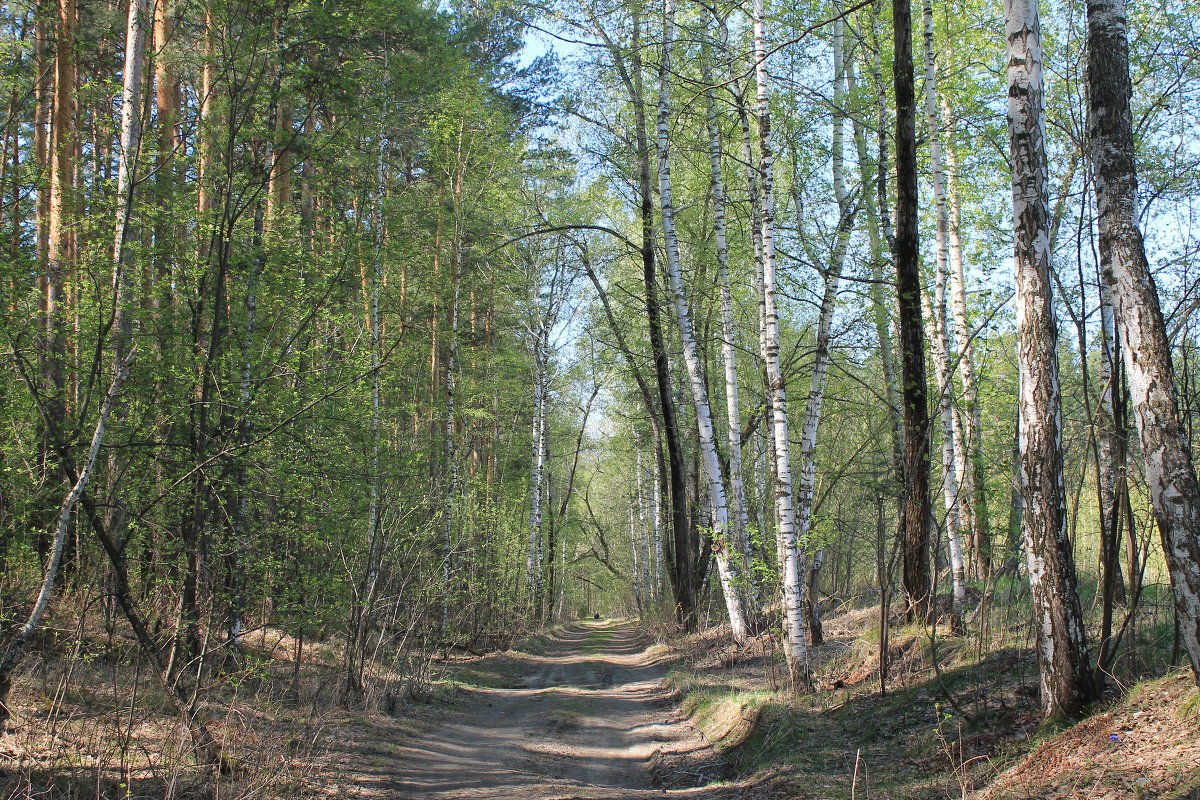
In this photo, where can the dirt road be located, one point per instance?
(587, 719)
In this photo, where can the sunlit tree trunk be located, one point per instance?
(533, 577)
(129, 137)
(821, 349)
(1058, 620)
(1170, 472)
(739, 521)
(1112, 485)
(682, 555)
(730, 569)
(14, 651)
(973, 496)
(62, 146)
(953, 467)
(792, 565)
(372, 281)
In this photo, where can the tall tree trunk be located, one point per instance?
(739, 520)
(14, 652)
(730, 570)
(683, 572)
(62, 146)
(166, 94)
(792, 560)
(974, 485)
(954, 468)
(372, 285)
(821, 352)
(130, 144)
(916, 512)
(1061, 646)
(533, 576)
(1170, 473)
(130, 131)
(1112, 485)
(880, 316)
(450, 386)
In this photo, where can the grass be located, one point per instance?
(596, 639)
(567, 710)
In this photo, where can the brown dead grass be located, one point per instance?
(90, 721)
(1146, 746)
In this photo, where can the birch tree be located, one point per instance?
(730, 570)
(130, 141)
(791, 557)
(739, 520)
(1058, 620)
(969, 450)
(821, 350)
(1170, 472)
(953, 466)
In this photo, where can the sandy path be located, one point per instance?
(589, 717)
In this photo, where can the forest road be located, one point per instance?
(586, 721)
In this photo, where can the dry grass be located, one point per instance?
(89, 720)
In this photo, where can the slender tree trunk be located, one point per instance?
(739, 520)
(15, 650)
(684, 550)
(880, 316)
(367, 589)
(1058, 620)
(533, 578)
(450, 386)
(1110, 434)
(821, 356)
(792, 559)
(974, 485)
(166, 94)
(953, 447)
(730, 569)
(130, 130)
(1170, 473)
(916, 512)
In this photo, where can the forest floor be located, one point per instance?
(963, 726)
(598, 710)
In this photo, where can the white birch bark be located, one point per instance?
(131, 121)
(1058, 620)
(821, 358)
(370, 579)
(739, 521)
(643, 525)
(1170, 469)
(533, 577)
(953, 466)
(972, 491)
(1110, 444)
(376, 331)
(131, 92)
(15, 651)
(730, 571)
(656, 525)
(792, 559)
(950, 494)
(880, 315)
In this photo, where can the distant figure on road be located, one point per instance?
(595, 616)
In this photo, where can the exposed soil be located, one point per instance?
(587, 718)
